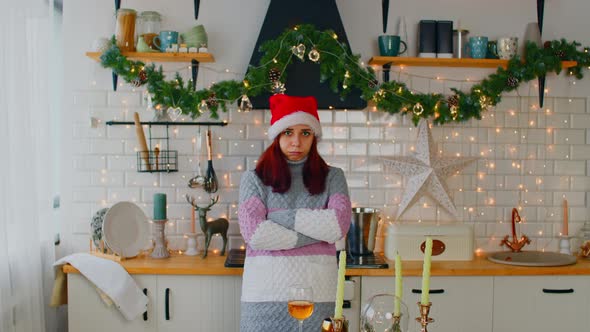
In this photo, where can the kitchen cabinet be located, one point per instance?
(458, 303)
(87, 312)
(203, 303)
(543, 303)
(177, 303)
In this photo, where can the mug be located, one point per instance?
(165, 39)
(507, 47)
(478, 47)
(389, 45)
(492, 50)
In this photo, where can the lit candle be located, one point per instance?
(192, 220)
(564, 230)
(398, 285)
(159, 206)
(426, 271)
(340, 287)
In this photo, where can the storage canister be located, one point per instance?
(150, 22)
(125, 29)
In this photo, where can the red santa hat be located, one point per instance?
(289, 111)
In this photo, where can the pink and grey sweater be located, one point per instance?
(290, 240)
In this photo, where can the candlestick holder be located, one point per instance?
(160, 249)
(564, 244)
(191, 244)
(424, 320)
(332, 324)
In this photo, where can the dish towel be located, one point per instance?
(110, 278)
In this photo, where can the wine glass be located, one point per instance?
(300, 303)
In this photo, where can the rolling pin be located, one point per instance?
(144, 152)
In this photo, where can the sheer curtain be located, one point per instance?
(27, 169)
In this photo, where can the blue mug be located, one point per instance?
(478, 47)
(165, 39)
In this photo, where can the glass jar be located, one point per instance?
(150, 22)
(125, 29)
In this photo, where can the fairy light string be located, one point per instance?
(343, 71)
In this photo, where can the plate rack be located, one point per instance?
(104, 252)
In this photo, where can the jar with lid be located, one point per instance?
(125, 29)
(149, 22)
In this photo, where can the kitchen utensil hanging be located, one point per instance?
(198, 180)
(211, 184)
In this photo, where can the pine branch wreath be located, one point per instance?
(342, 70)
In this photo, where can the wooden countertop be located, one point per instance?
(479, 266)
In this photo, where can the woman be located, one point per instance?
(293, 208)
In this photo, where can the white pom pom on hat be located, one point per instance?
(289, 111)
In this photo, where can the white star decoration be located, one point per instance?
(426, 172)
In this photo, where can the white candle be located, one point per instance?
(426, 271)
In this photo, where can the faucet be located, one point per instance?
(516, 244)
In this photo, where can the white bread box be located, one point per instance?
(452, 242)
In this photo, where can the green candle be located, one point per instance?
(159, 206)
(340, 286)
(398, 285)
(426, 271)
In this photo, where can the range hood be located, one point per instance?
(303, 78)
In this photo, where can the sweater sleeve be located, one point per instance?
(259, 232)
(329, 224)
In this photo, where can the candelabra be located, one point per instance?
(335, 325)
(160, 249)
(191, 244)
(424, 320)
(564, 244)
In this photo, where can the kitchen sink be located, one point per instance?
(532, 258)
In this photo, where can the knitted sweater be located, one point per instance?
(290, 240)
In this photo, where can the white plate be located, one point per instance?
(125, 229)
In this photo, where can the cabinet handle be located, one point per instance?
(432, 291)
(346, 304)
(558, 291)
(145, 317)
(167, 304)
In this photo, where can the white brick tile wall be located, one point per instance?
(512, 141)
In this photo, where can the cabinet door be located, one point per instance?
(541, 303)
(88, 313)
(459, 304)
(199, 303)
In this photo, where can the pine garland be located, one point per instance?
(342, 70)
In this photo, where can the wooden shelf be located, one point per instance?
(439, 62)
(160, 56)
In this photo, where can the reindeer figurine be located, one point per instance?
(216, 226)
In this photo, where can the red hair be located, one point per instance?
(272, 168)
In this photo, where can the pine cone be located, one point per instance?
(512, 81)
(212, 100)
(141, 79)
(274, 74)
(453, 101)
(560, 54)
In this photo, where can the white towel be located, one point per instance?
(111, 278)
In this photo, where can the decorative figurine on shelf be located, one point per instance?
(217, 226)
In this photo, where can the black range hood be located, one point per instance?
(303, 78)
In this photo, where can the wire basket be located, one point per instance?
(152, 162)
